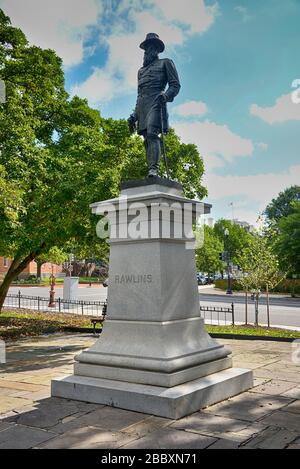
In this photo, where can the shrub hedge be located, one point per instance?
(291, 286)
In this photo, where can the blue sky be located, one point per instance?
(237, 61)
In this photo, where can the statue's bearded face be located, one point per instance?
(151, 54)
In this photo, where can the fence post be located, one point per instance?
(59, 305)
(38, 303)
(19, 299)
(232, 309)
(82, 308)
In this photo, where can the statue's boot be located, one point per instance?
(153, 151)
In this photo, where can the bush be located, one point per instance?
(223, 284)
(288, 286)
(291, 286)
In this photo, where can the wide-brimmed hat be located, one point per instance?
(154, 38)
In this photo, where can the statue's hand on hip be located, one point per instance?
(161, 98)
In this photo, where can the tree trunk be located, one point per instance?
(268, 305)
(17, 266)
(39, 269)
(246, 307)
(256, 309)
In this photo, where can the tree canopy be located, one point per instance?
(282, 205)
(208, 255)
(287, 242)
(237, 240)
(259, 264)
(282, 228)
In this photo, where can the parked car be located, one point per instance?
(217, 276)
(201, 279)
(210, 279)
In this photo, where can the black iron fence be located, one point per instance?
(217, 315)
(214, 315)
(38, 303)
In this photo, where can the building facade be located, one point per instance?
(31, 269)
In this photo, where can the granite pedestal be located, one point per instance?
(154, 354)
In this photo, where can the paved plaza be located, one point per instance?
(268, 416)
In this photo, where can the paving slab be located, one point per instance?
(7, 392)
(149, 425)
(259, 381)
(5, 425)
(293, 393)
(36, 395)
(19, 386)
(106, 418)
(249, 406)
(87, 438)
(225, 444)
(272, 438)
(168, 438)
(217, 426)
(21, 437)
(294, 407)
(49, 412)
(286, 420)
(10, 403)
(274, 387)
(280, 374)
(257, 357)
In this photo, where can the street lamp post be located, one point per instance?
(52, 291)
(229, 289)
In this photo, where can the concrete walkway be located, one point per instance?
(268, 416)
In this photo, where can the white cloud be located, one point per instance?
(258, 189)
(193, 13)
(216, 142)
(191, 108)
(262, 146)
(99, 86)
(174, 21)
(243, 11)
(57, 24)
(283, 110)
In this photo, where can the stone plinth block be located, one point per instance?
(154, 354)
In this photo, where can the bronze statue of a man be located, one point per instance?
(151, 113)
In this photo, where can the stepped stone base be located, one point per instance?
(173, 403)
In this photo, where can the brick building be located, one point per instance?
(31, 269)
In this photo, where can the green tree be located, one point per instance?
(282, 216)
(185, 165)
(260, 268)
(282, 206)
(207, 256)
(236, 242)
(287, 242)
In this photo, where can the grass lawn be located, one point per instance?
(22, 323)
(253, 331)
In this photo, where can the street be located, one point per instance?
(284, 311)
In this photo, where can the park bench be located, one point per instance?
(100, 319)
